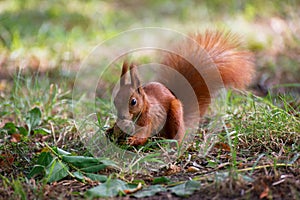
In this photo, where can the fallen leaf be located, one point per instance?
(3, 85)
(15, 138)
(222, 146)
(173, 169)
(150, 191)
(193, 169)
(111, 188)
(130, 191)
(6, 160)
(265, 193)
(186, 189)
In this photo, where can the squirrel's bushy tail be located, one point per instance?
(209, 62)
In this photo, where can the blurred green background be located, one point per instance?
(57, 35)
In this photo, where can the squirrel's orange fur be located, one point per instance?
(154, 108)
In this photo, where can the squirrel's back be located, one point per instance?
(209, 62)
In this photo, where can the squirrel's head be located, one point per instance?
(130, 99)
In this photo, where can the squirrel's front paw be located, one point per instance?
(126, 126)
(136, 141)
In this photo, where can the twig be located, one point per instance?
(265, 166)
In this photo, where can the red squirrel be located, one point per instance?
(149, 109)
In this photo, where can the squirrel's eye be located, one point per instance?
(133, 102)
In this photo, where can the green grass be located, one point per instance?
(245, 140)
(257, 133)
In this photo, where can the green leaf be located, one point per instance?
(78, 175)
(80, 161)
(56, 171)
(96, 177)
(42, 131)
(161, 180)
(10, 128)
(137, 181)
(186, 188)
(33, 118)
(150, 191)
(22, 131)
(212, 164)
(44, 160)
(108, 162)
(110, 188)
(60, 151)
(88, 164)
(94, 168)
(37, 169)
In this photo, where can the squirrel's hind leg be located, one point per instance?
(174, 127)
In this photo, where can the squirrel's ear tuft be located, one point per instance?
(135, 81)
(123, 74)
